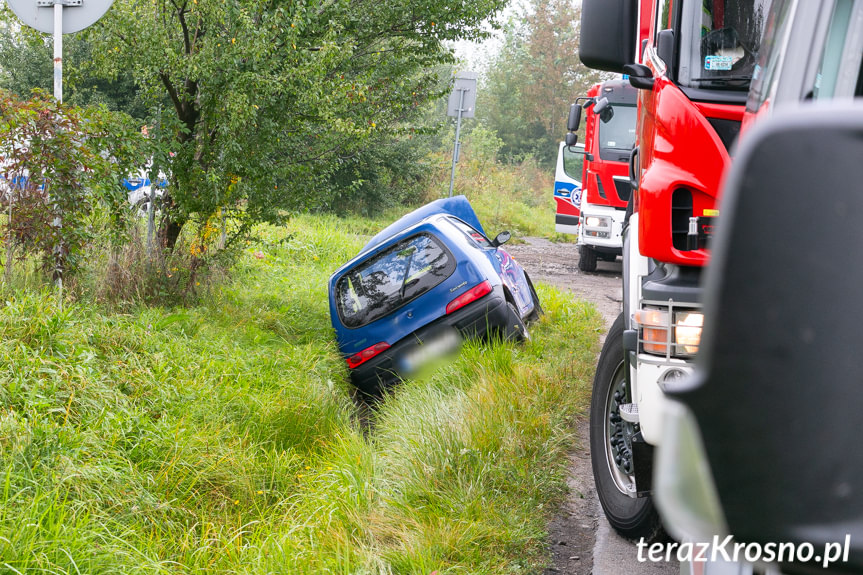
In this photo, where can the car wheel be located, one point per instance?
(586, 258)
(537, 307)
(515, 329)
(611, 445)
(143, 205)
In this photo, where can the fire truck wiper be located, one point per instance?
(735, 81)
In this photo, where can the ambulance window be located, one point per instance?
(573, 162)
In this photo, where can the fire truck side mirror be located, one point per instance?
(604, 109)
(570, 139)
(640, 76)
(761, 442)
(665, 47)
(609, 34)
(574, 120)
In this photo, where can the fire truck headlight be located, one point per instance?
(654, 329)
(597, 222)
(688, 330)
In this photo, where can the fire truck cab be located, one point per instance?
(692, 62)
(609, 138)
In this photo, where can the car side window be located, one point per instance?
(474, 235)
(663, 17)
(766, 73)
(839, 68)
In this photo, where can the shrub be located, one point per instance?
(63, 167)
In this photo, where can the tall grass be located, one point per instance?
(517, 197)
(223, 438)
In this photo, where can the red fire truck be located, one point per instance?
(609, 137)
(713, 463)
(692, 62)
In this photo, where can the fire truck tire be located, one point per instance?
(586, 258)
(610, 446)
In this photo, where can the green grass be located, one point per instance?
(518, 198)
(223, 438)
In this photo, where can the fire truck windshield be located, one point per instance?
(719, 42)
(617, 136)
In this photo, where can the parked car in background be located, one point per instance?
(419, 286)
(140, 190)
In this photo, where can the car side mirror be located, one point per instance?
(501, 239)
(574, 120)
(762, 440)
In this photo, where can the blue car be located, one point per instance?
(420, 285)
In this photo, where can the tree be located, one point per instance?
(535, 77)
(266, 95)
(27, 64)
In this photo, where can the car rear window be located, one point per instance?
(468, 230)
(386, 282)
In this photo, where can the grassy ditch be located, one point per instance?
(224, 439)
(519, 198)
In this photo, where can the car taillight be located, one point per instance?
(363, 356)
(469, 296)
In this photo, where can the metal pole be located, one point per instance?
(8, 270)
(151, 216)
(58, 95)
(457, 131)
(224, 236)
(58, 51)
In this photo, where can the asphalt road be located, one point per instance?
(582, 541)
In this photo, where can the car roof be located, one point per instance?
(457, 206)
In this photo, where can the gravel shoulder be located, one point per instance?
(581, 540)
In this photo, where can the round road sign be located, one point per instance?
(77, 14)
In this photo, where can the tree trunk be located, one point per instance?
(169, 232)
(170, 226)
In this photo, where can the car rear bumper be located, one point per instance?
(478, 319)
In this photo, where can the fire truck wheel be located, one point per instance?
(586, 258)
(611, 446)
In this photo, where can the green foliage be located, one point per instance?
(28, 64)
(533, 79)
(265, 99)
(389, 174)
(483, 145)
(63, 168)
(513, 197)
(223, 438)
